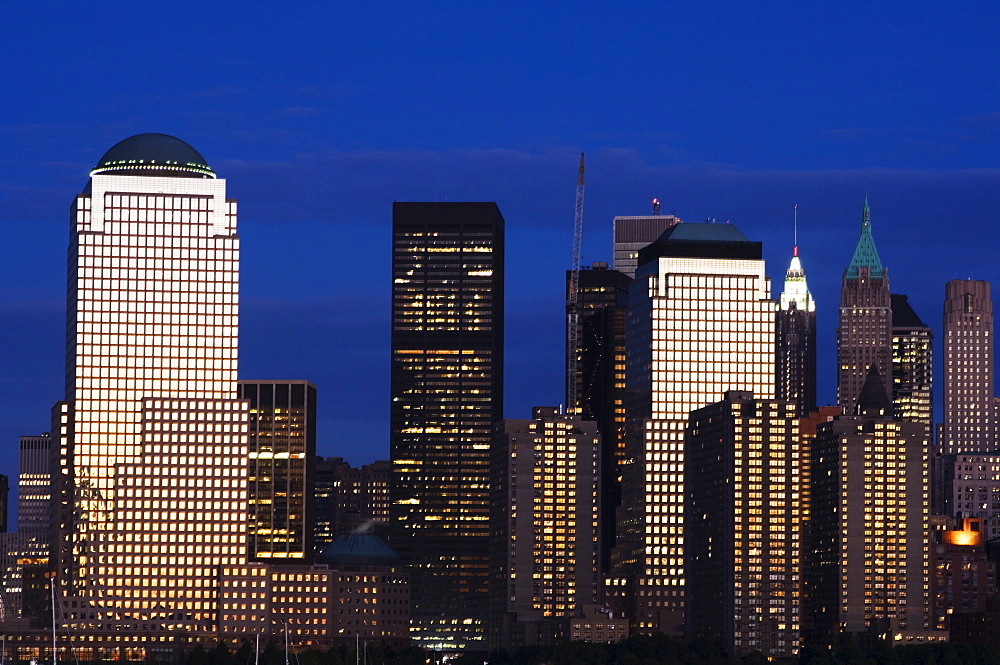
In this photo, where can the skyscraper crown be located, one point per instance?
(796, 293)
(865, 254)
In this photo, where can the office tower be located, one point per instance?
(864, 335)
(700, 322)
(152, 436)
(447, 392)
(870, 510)
(912, 364)
(34, 487)
(971, 488)
(602, 299)
(795, 340)
(350, 500)
(969, 423)
(543, 524)
(743, 515)
(630, 234)
(282, 446)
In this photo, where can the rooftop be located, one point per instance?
(154, 155)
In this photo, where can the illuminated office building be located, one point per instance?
(602, 299)
(349, 500)
(34, 487)
(969, 421)
(795, 340)
(864, 335)
(282, 446)
(152, 437)
(632, 233)
(743, 512)
(543, 524)
(447, 392)
(912, 364)
(700, 322)
(869, 557)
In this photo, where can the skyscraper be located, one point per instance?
(544, 514)
(969, 422)
(34, 487)
(447, 392)
(912, 364)
(795, 342)
(864, 333)
(602, 299)
(743, 549)
(632, 233)
(282, 445)
(700, 322)
(869, 562)
(152, 436)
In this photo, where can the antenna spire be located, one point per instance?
(795, 230)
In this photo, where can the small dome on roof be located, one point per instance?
(155, 155)
(358, 549)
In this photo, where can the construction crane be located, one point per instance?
(572, 313)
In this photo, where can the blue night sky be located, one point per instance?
(320, 115)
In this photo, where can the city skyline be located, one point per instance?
(314, 153)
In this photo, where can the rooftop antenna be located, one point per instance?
(572, 314)
(795, 230)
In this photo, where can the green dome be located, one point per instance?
(154, 155)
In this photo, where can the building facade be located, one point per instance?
(869, 554)
(912, 364)
(349, 500)
(282, 446)
(602, 299)
(743, 510)
(34, 487)
(447, 392)
(632, 233)
(700, 322)
(795, 340)
(864, 333)
(543, 525)
(969, 419)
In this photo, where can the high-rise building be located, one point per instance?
(912, 364)
(700, 322)
(632, 233)
(447, 392)
(544, 514)
(34, 487)
(795, 340)
(864, 333)
(743, 548)
(962, 577)
(349, 500)
(152, 436)
(969, 422)
(602, 299)
(282, 445)
(869, 556)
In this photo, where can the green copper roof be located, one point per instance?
(865, 253)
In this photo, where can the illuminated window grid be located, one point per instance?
(713, 330)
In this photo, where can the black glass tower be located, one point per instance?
(447, 392)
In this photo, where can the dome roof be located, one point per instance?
(153, 155)
(358, 549)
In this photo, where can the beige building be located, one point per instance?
(869, 546)
(544, 555)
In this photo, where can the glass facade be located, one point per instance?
(282, 446)
(447, 392)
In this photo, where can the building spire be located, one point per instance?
(865, 254)
(796, 293)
